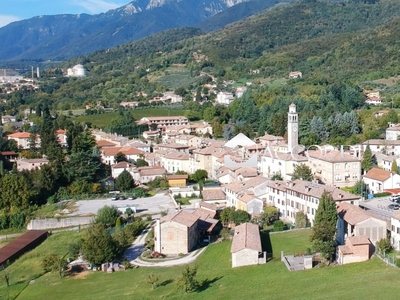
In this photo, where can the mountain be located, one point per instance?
(61, 37)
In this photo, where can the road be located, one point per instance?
(149, 205)
(379, 206)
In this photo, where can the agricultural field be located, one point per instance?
(367, 280)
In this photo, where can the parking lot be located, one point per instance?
(150, 205)
(379, 206)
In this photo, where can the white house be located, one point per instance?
(118, 168)
(378, 180)
(225, 98)
(395, 230)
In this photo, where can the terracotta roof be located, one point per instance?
(352, 214)
(359, 240)
(20, 135)
(247, 172)
(247, 236)
(247, 197)
(177, 155)
(277, 184)
(204, 213)
(238, 186)
(378, 174)
(127, 150)
(61, 131)
(104, 143)
(208, 206)
(383, 142)
(173, 146)
(166, 118)
(345, 250)
(150, 171)
(5, 153)
(122, 165)
(213, 194)
(181, 217)
(332, 156)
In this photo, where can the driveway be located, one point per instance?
(149, 205)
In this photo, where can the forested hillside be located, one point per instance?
(340, 47)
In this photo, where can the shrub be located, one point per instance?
(384, 245)
(384, 194)
(156, 254)
(279, 226)
(75, 248)
(225, 234)
(126, 264)
(53, 263)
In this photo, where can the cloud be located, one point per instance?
(96, 6)
(5, 19)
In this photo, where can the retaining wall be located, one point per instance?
(53, 223)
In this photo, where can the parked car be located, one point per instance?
(395, 198)
(131, 198)
(394, 206)
(115, 197)
(121, 198)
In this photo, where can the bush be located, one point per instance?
(279, 226)
(75, 248)
(384, 194)
(53, 263)
(126, 264)
(225, 234)
(384, 245)
(156, 254)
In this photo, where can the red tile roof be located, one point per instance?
(247, 236)
(378, 174)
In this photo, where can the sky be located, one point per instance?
(15, 10)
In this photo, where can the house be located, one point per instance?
(129, 104)
(23, 139)
(225, 98)
(248, 202)
(176, 161)
(118, 168)
(392, 132)
(388, 147)
(246, 245)
(295, 75)
(356, 249)
(334, 167)
(373, 101)
(354, 221)
(214, 195)
(8, 119)
(31, 164)
(177, 180)
(62, 137)
(164, 121)
(378, 180)
(274, 162)
(105, 144)
(290, 197)
(150, 134)
(395, 230)
(108, 154)
(9, 155)
(148, 174)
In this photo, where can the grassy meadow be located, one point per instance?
(372, 279)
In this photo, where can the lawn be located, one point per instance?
(104, 120)
(371, 279)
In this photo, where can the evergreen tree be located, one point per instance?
(367, 162)
(303, 172)
(394, 167)
(324, 231)
(124, 181)
(120, 157)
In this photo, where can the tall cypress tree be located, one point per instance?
(324, 231)
(367, 162)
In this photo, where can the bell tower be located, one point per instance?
(293, 127)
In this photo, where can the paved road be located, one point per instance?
(379, 206)
(152, 205)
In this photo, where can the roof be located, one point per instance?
(127, 150)
(165, 118)
(61, 131)
(203, 213)
(332, 156)
(247, 236)
(239, 140)
(20, 135)
(177, 155)
(34, 160)
(238, 185)
(382, 142)
(352, 214)
(104, 143)
(5, 153)
(20, 245)
(378, 174)
(122, 165)
(345, 250)
(150, 171)
(181, 217)
(208, 206)
(247, 197)
(172, 177)
(359, 240)
(213, 194)
(247, 172)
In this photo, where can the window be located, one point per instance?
(355, 175)
(337, 166)
(398, 230)
(355, 166)
(393, 228)
(316, 201)
(312, 211)
(337, 177)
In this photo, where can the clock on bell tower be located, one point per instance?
(293, 125)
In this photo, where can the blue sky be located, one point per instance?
(14, 10)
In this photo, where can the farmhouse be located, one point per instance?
(246, 245)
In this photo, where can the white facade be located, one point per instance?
(395, 231)
(225, 98)
(76, 71)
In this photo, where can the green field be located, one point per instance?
(104, 120)
(372, 279)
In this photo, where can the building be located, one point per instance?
(31, 164)
(148, 174)
(62, 137)
(122, 166)
(246, 245)
(392, 132)
(8, 119)
(250, 203)
(378, 180)
(176, 161)
(274, 162)
(225, 98)
(76, 71)
(388, 147)
(295, 75)
(354, 221)
(395, 230)
(290, 197)
(108, 154)
(164, 121)
(293, 128)
(214, 195)
(334, 167)
(177, 180)
(23, 139)
(356, 249)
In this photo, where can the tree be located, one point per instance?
(303, 172)
(276, 176)
(15, 191)
(324, 231)
(152, 279)
(107, 215)
(141, 163)
(394, 167)
(120, 157)
(301, 220)
(98, 246)
(367, 162)
(188, 281)
(54, 263)
(124, 181)
(199, 175)
(240, 216)
(226, 215)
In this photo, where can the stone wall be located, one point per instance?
(244, 257)
(53, 223)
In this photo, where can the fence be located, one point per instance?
(389, 258)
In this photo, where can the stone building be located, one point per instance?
(246, 245)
